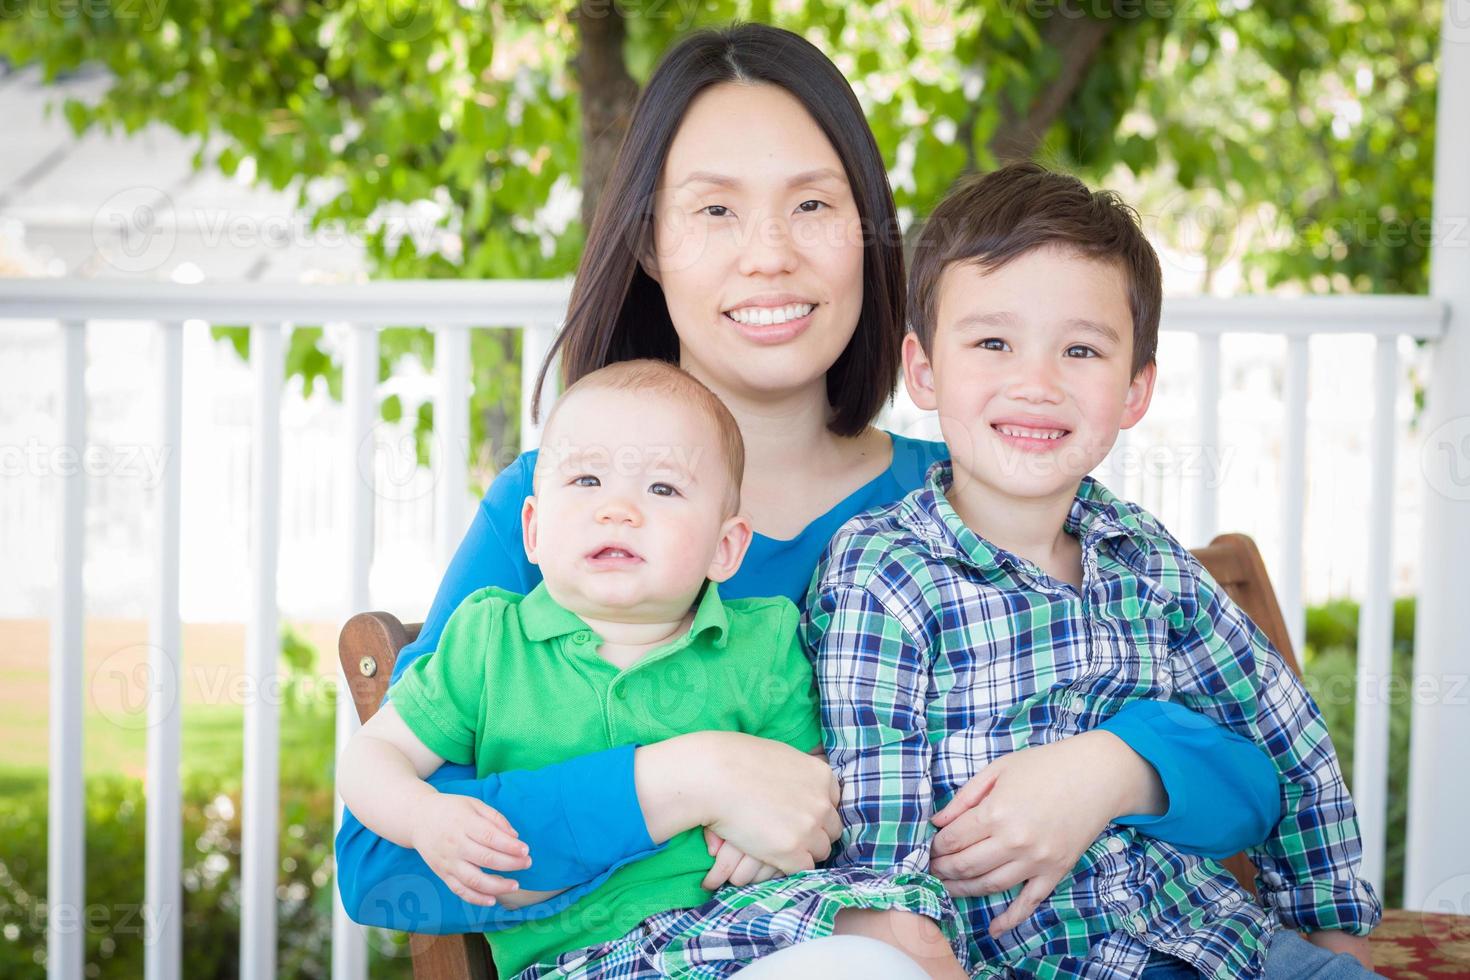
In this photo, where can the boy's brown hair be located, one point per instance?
(993, 218)
(688, 393)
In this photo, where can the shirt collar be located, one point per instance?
(1095, 515)
(542, 618)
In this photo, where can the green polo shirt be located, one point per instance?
(517, 683)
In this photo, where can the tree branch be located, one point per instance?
(1076, 37)
(608, 94)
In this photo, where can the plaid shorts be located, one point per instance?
(739, 925)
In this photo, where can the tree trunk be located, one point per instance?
(608, 94)
(1076, 37)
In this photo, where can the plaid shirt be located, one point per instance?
(938, 652)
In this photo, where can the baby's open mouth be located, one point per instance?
(611, 553)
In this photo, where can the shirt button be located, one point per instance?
(581, 636)
(1139, 923)
(1116, 845)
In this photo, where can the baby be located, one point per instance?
(634, 519)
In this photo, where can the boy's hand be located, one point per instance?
(732, 865)
(1028, 817)
(457, 836)
(1343, 942)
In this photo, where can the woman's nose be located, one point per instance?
(768, 249)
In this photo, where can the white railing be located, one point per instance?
(452, 307)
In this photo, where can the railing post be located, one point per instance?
(260, 806)
(163, 894)
(451, 437)
(1437, 872)
(359, 387)
(66, 806)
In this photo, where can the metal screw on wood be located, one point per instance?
(367, 666)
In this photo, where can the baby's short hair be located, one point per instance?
(993, 218)
(687, 392)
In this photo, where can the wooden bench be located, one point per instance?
(1407, 946)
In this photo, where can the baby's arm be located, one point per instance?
(382, 780)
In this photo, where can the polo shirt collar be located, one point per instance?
(542, 618)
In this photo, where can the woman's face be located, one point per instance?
(757, 243)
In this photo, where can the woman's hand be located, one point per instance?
(774, 803)
(1028, 817)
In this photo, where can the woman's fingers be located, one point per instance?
(726, 860)
(972, 861)
(969, 795)
(964, 830)
(745, 871)
(1035, 892)
(712, 841)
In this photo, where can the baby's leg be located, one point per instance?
(848, 957)
(916, 936)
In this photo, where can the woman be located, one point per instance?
(748, 233)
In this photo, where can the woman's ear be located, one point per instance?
(735, 535)
(1140, 393)
(918, 373)
(528, 528)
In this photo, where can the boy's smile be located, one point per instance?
(1031, 374)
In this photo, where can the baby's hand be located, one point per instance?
(457, 836)
(732, 865)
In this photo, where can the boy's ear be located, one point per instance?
(528, 528)
(1140, 393)
(735, 535)
(918, 373)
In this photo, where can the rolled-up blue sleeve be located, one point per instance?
(1223, 791)
(581, 818)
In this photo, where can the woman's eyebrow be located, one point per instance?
(802, 179)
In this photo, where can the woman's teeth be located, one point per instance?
(1018, 431)
(765, 316)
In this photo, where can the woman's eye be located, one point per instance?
(663, 490)
(992, 343)
(586, 481)
(811, 206)
(1086, 351)
(716, 210)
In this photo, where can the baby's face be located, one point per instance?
(628, 517)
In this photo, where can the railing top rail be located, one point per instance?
(516, 302)
(387, 302)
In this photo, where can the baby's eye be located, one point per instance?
(811, 207)
(1086, 351)
(586, 481)
(993, 343)
(716, 210)
(663, 490)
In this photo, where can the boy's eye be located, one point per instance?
(993, 343)
(1086, 351)
(586, 481)
(811, 207)
(716, 210)
(663, 490)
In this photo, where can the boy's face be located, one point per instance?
(1030, 371)
(628, 518)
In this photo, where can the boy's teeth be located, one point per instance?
(764, 316)
(1016, 430)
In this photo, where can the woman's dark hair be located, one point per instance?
(618, 312)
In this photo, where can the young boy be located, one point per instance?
(1014, 601)
(634, 519)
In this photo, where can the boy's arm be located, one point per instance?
(1224, 667)
(873, 675)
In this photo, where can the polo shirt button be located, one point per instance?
(581, 636)
(622, 694)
